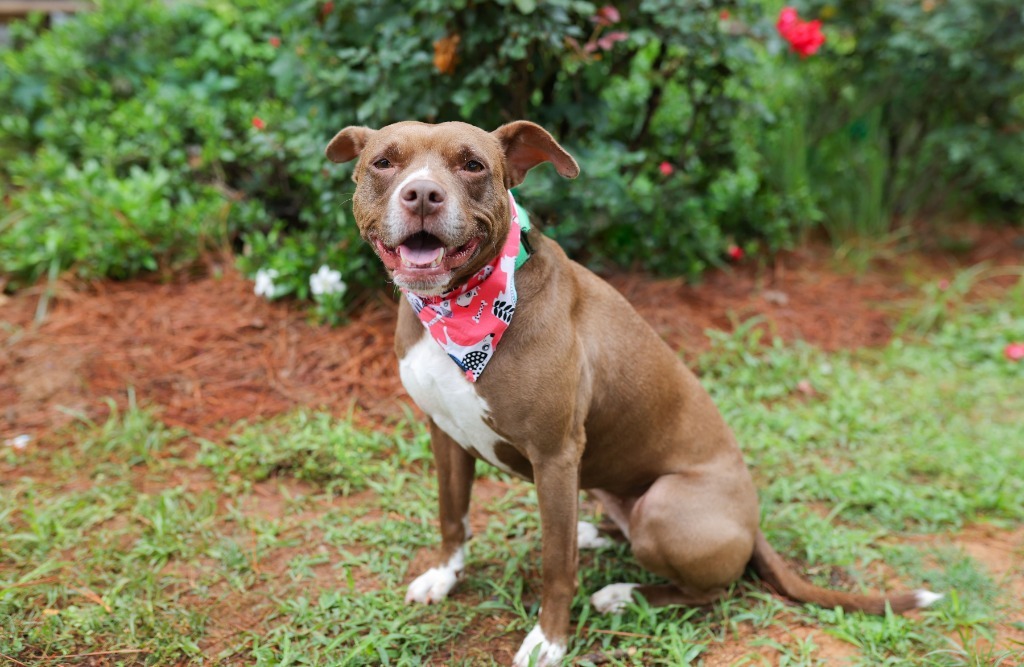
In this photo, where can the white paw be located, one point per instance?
(435, 584)
(613, 598)
(587, 537)
(549, 654)
(927, 598)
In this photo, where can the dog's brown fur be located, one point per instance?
(584, 395)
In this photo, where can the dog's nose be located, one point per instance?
(422, 197)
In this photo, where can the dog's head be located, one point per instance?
(432, 200)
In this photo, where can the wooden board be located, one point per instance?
(14, 8)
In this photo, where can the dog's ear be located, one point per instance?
(526, 145)
(349, 143)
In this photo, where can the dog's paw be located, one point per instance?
(925, 598)
(588, 538)
(548, 654)
(612, 599)
(435, 584)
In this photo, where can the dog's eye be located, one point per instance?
(382, 163)
(473, 166)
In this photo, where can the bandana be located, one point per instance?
(469, 321)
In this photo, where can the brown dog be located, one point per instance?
(579, 394)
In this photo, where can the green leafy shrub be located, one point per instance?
(125, 132)
(914, 107)
(676, 86)
(224, 108)
(105, 225)
(143, 134)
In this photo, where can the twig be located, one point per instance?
(92, 597)
(24, 584)
(122, 651)
(17, 662)
(620, 633)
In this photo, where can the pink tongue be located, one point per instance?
(420, 256)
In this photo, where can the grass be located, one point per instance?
(290, 542)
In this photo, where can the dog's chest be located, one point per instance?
(443, 392)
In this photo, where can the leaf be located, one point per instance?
(526, 6)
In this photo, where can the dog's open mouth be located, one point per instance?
(424, 254)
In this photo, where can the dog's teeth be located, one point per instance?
(437, 260)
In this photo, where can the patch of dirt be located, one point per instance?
(1001, 553)
(748, 642)
(486, 638)
(209, 352)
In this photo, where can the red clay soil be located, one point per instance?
(209, 352)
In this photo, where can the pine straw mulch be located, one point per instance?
(208, 352)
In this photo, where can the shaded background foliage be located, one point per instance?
(140, 135)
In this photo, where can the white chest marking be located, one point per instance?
(443, 392)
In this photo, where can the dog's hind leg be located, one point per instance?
(697, 531)
(613, 598)
(615, 509)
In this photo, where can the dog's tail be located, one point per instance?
(770, 566)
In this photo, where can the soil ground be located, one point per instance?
(208, 353)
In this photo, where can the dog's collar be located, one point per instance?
(469, 321)
(525, 249)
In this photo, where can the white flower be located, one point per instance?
(18, 442)
(326, 281)
(265, 283)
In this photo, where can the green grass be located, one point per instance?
(290, 542)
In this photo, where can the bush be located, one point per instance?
(915, 108)
(126, 131)
(145, 133)
(225, 108)
(666, 82)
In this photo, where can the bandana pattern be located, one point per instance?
(469, 321)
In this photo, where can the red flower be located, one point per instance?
(735, 253)
(724, 15)
(258, 123)
(327, 8)
(804, 37)
(943, 285)
(1014, 351)
(607, 15)
(666, 168)
(275, 41)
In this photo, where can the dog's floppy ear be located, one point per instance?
(349, 143)
(526, 145)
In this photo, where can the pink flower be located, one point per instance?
(943, 285)
(608, 41)
(607, 15)
(724, 15)
(735, 253)
(1014, 351)
(666, 168)
(804, 37)
(258, 123)
(275, 41)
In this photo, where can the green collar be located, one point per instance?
(524, 241)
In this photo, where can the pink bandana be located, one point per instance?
(469, 321)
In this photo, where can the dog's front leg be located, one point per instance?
(455, 470)
(557, 482)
